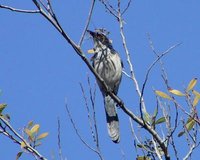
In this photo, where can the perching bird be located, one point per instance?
(108, 65)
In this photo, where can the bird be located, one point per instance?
(108, 64)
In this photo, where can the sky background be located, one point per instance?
(39, 69)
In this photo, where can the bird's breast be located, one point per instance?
(108, 66)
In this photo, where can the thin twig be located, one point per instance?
(132, 72)
(88, 113)
(133, 132)
(151, 67)
(184, 111)
(174, 147)
(190, 152)
(92, 120)
(109, 8)
(52, 13)
(43, 5)
(76, 130)
(123, 154)
(51, 19)
(50, 9)
(171, 130)
(128, 5)
(19, 10)
(126, 74)
(59, 141)
(92, 99)
(156, 150)
(79, 135)
(87, 23)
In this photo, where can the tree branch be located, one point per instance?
(151, 67)
(19, 10)
(132, 72)
(59, 142)
(79, 135)
(27, 147)
(87, 22)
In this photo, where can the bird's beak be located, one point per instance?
(91, 33)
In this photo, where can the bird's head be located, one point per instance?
(100, 38)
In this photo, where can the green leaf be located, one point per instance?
(176, 92)
(160, 120)
(19, 155)
(195, 101)
(29, 133)
(197, 94)
(163, 95)
(155, 112)
(191, 84)
(43, 135)
(147, 117)
(35, 128)
(2, 107)
(189, 125)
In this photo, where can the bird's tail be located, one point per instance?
(112, 119)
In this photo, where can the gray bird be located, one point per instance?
(108, 65)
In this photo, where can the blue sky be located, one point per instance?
(39, 69)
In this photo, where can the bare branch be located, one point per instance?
(19, 10)
(79, 135)
(43, 5)
(132, 72)
(152, 65)
(174, 147)
(133, 132)
(109, 8)
(184, 111)
(76, 130)
(92, 119)
(128, 5)
(190, 152)
(87, 22)
(164, 74)
(49, 6)
(88, 113)
(51, 19)
(156, 150)
(92, 99)
(59, 141)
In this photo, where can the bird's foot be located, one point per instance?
(120, 104)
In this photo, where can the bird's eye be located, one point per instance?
(102, 38)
